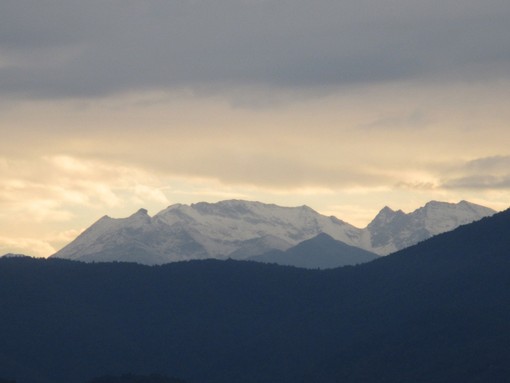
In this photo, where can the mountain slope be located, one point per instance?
(240, 229)
(137, 238)
(435, 312)
(321, 252)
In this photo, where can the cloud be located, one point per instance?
(143, 193)
(94, 152)
(56, 188)
(414, 120)
(38, 247)
(92, 48)
(488, 173)
(479, 182)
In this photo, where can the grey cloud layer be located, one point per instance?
(78, 48)
(482, 173)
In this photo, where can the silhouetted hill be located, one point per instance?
(322, 251)
(436, 312)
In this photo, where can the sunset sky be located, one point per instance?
(345, 106)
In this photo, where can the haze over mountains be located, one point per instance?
(243, 229)
(435, 312)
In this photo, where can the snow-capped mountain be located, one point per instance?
(230, 228)
(240, 229)
(395, 230)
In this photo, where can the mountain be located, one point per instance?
(434, 312)
(241, 229)
(322, 252)
(138, 238)
(230, 228)
(394, 230)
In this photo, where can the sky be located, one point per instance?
(344, 106)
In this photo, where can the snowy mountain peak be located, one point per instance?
(140, 215)
(233, 208)
(391, 231)
(307, 208)
(434, 203)
(475, 208)
(385, 216)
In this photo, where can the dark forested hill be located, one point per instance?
(436, 312)
(132, 378)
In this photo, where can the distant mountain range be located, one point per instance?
(242, 229)
(434, 312)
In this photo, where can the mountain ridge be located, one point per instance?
(242, 229)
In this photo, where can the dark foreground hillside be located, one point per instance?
(132, 378)
(437, 312)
